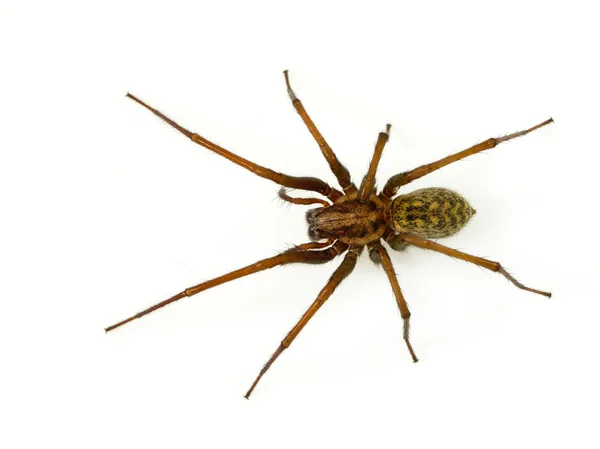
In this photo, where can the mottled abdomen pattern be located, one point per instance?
(430, 213)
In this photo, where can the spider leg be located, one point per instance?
(396, 181)
(336, 278)
(341, 173)
(296, 182)
(291, 256)
(304, 201)
(485, 263)
(379, 255)
(368, 181)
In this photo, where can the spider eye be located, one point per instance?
(314, 233)
(310, 215)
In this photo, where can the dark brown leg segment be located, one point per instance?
(390, 237)
(292, 256)
(386, 262)
(341, 173)
(396, 181)
(295, 182)
(336, 278)
(485, 263)
(368, 181)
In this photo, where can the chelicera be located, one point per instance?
(349, 220)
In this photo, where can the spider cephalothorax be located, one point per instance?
(347, 222)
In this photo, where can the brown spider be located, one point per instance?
(354, 219)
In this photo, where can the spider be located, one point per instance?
(346, 222)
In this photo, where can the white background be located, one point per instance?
(106, 210)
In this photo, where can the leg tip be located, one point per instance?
(289, 87)
(547, 122)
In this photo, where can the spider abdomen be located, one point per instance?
(431, 213)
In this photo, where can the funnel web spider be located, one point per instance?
(349, 220)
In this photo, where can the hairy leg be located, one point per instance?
(485, 263)
(368, 181)
(379, 255)
(288, 257)
(336, 278)
(397, 181)
(302, 182)
(341, 173)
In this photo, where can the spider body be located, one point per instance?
(347, 222)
